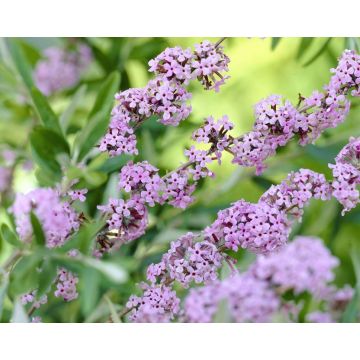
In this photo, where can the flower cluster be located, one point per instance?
(248, 299)
(128, 219)
(256, 227)
(157, 304)
(57, 217)
(302, 265)
(66, 285)
(61, 68)
(187, 261)
(347, 73)
(206, 64)
(165, 96)
(30, 298)
(256, 295)
(292, 194)
(346, 173)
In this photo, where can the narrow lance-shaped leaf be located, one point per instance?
(38, 232)
(9, 236)
(20, 61)
(99, 117)
(319, 52)
(44, 110)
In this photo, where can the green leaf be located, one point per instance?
(69, 112)
(19, 314)
(45, 112)
(319, 52)
(46, 277)
(10, 237)
(3, 290)
(24, 276)
(21, 62)
(89, 290)
(39, 235)
(304, 46)
(275, 42)
(99, 117)
(47, 147)
(112, 271)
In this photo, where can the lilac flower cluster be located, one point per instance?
(278, 121)
(128, 219)
(255, 295)
(57, 217)
(346, 173)
(206, 64)
(303, 265)
(256, 227)
(165, 96)
(187, 261)
(292, 194)
(66, 285)
(61, 69)
(157, 304)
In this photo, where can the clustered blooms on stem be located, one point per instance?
(66, 285)
(165, 96)
(346, 173)
(57, 217)
(61, 69)
(262, 228)
(276, 123)
(304, 265)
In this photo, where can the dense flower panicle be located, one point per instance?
(346, 173)
(215, 133)
(347, 73)
(128, 218)
(165, 96)
(302, 265)
(257, 227)
(5, 178)
(296, 191)
(250, 299)
(139, 176)
(187, 261)
(168, 100)
(206, 64)
(57, 217)
(61, 69)
(173, 64)
(158, 304)
(247, 298)
(66, 285)
(209, 63)
(202, 303)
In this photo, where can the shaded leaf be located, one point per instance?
(304, 46)
(275, 42)
(45, 112)
(38, 232)
(10, 237)
(99, 117)
(319, 52)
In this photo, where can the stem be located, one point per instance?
(12, 259)
(217, 44)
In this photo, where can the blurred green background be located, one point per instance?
(258, 68)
